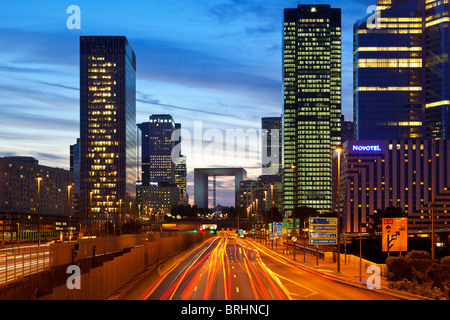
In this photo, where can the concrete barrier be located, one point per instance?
(101, 282)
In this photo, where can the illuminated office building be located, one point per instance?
(377, 174)
(312, 103)
(272, 145)
(157, 146)
(108, 126)
(401, 78)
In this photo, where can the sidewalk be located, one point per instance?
(349, 272)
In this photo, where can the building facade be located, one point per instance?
(157, 146)
(155, 199)
(312, 104)
(108, 126)
(401, 63)
(23, 198)
(272, 146)
(377, 174)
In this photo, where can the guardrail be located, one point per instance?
(19, 262)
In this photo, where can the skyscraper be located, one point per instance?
(108, 126)
(401, 78)
(271, 146)
(157, 145)
(312, 103)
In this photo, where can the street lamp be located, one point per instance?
(120, 216)
(271, 208)
(68, 211)
(265, 217)
(107, 216)
(39, 179)
(339, 150)
(90, 207)
(294, 233)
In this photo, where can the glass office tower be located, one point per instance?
(437, 68)
(401, 68)
(108, 127)
(312, 104)
(271, 146)
(157, 145)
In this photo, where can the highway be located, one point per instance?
(230, 268)
(18, 262)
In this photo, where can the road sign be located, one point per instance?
(329, 228)
(395, 234)
(323, 221)
(323, 241)
(323, 230)
(322, 235)
(277, 229)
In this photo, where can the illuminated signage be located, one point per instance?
(366, 148)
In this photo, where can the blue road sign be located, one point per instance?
(323, 241)
(326, 221)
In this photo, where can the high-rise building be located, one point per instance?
(157, 146)
(272, 146)
(378, 174)
(312, 104)
(348, 130)
(108, 126)
(401, 78)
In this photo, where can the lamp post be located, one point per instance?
(120, 216)
(294, 233)
(39, 179)
(68, 211)
(107, 216)
(433, 183)
(265, 217)
(90, 207)
(338, 150)
(271, 208)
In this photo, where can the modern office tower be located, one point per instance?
(75, 165)
(437, 69)
(378, 174)
(272, 146)
(157, 145)
(108, 126)
(348, 130)
(401, 85)
(23, 198)
(312, 104)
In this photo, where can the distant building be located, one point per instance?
(157, 145)
(19, 199)
(155, 199)
(347, 131)
(377, 174)
(261, 189)
(272, 145)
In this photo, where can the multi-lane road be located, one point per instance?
(230, 268)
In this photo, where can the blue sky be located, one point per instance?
(218, 61)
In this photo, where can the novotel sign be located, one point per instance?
(366, 148)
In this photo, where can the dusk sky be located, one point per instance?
(215, 61)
